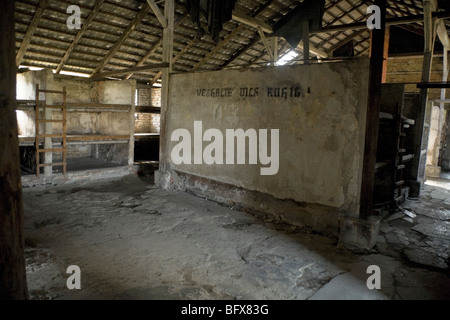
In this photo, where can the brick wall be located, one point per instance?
(147, 123)
(156, 97)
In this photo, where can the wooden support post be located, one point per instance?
(418, 162)
(265, 42)
(36, 134)
(275, 49)
(385, 54)
(306, 42)
(372, 116)
(159, 15)
(169, 9)
(13, 284)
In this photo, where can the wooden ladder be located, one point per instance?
(41, 105)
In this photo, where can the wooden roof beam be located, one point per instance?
(80, 33)
(159, 15)
(156, 46)
(250, 21)
(30, 31)
(149, 67)
(230, 36)
(136, 21)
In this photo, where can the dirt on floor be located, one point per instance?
(132, 240)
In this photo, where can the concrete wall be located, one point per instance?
(321, 131)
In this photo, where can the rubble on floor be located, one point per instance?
(424, 239)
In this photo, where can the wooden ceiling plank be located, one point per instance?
(136, 21)
(30, 31)
(80, 33)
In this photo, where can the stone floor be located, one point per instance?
(134, 241)
(424, 239)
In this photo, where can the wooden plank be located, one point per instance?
(385, 54)
(51, 91)
(241, 17)
(429, 36)
(49, 120)
(155, 66)
(80, 34)
(252, 42)
(50, 135)
(51, 150)
(99, 105)
(306, 50)
(159, 15)
(372, 116)
(53, 164)
(134, 23)
(30, 31)
(433, 85)
(96, 137)
(37, 118)
(177, 56)
(227, 39)
(265, 42)
(148, 109)
(155, 47)
(169, 9)
(64, 130)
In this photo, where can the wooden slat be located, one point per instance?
(159, 15)
(52, 135)
(177, 56)
(49, 120)
(36, 143)
(80, 33)
(98, 105)
(51, 150)
(52, 164)
(155, 66)
(30, 31)
(372, 116)
(155, 47)
(64, 130)
(168, 34)
(96, 137)
(148, 109)
(51, 91)
(136, 21)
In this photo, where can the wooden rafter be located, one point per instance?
(136, 21)
(346, 40)
(177, 56)
(230, 36)
(159, 15)
(156, 46)
(80, 33)
(30, 31)
(149, 67)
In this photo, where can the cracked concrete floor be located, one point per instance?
(134, 241)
